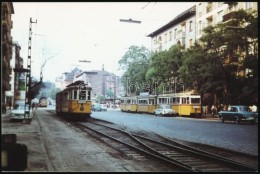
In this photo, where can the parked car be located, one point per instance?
(17, 113)
(238, 113)
(96, 107)
(164, 110)
(103, 107)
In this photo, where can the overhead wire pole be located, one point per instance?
(28, 76)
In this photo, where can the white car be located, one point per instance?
(17, 112)
(164, 110)
(103, 107)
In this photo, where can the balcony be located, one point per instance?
(228, 16)
(208, 9)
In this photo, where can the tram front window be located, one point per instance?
(82, 95)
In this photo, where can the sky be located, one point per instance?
(67, 32)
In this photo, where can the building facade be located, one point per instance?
(181, 30)
(188, 27)
(212, 13)
(15, 63)
(6, 46)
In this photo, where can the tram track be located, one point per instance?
(142, 147)
(185, 157)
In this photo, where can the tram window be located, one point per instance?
(163, 101)
(89, 95)
(128, 101)
(178, 100)
(151, 101)
(143, 102)
(70, 95)
(195, 100)
(82, 95)
(133, 101)
(188, 101)
(75, 92)
(184, 101)
(175, 100)
(122, 101)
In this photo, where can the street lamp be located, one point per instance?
(130, 21)
(85, 61)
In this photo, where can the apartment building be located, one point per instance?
(6, 46)
(181, 30)
(212, 13)
(188, 26)
(16, 63)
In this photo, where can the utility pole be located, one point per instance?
(28, 76)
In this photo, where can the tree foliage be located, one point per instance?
(135, 62)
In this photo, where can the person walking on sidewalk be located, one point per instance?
(4, 108)
(213, 110)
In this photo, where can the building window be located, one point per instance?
(190, 42)
(200, 27)
(170, 35)
(175, 33)
(200, 10)
(209, 20)
(209, 7)
(183, 28)
(220, 4)
(191, 26)
(159, 39)
(165, 37)
(249, 6)
(219, 17)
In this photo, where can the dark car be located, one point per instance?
(237, 114)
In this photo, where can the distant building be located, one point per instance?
(101, 81)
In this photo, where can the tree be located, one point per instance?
(135, 63)
(164, 67)
(226, 52)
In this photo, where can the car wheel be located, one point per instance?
(237, 121)
(222, 119)
(253, 122)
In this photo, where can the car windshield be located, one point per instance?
(20, 107)
(244, 108)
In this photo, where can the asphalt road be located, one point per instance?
(238, 137)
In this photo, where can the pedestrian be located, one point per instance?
(254, 108)
(4, 108)
(10, 105)
(220, 107)
(213, 110)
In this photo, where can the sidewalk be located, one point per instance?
(28, 134)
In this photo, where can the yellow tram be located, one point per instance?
(74, 100)
(128, 104)
(146, 103)
(185, 104)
